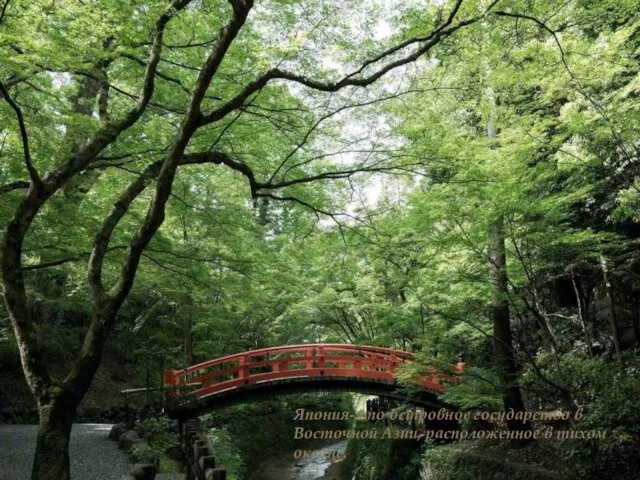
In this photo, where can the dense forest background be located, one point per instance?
(492, 182)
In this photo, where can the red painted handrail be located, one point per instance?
(308, 360)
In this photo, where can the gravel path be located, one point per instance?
(93, 455)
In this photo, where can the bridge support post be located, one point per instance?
(181, 430)
(243, 371)
(320, 353)
(394, 360)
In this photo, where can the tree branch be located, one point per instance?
(353, 78)
(33, 173)
(17, 185)
(165, 174)
(164, 76)
(35, 369)
(3, 13)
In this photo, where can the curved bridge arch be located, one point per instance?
(296, 369)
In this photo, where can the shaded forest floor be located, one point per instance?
(104, 393)
(540, 459)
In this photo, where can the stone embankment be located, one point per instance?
(198, 454)
(138, 450)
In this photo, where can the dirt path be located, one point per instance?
(93, 455)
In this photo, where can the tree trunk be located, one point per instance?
(188, 331)
(51, 461)
(58, 404)
(502, 340)
(612, 307)
(583, 322)
(636, 321)
(262, 205)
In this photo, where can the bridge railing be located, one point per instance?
(317, 360)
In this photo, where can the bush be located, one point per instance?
(609, 392)
(161, 434)
(381, 459)
(227, 453)
(263, 429)
(457, 462)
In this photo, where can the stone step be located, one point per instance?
(169, 476)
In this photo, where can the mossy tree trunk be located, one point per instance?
(613, 320)
(51, 460)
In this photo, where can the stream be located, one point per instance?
(317, 466)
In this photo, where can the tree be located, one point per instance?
(183, 132)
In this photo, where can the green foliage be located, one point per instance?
(609, 391)
(161, 433)
(252, 433)
(476, 390)
(532, 118)
(456, 462)
(227, 453)
(382, 459)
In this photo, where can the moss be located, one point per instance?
(167, 464)
(54, 391)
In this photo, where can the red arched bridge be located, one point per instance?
(295, 369)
